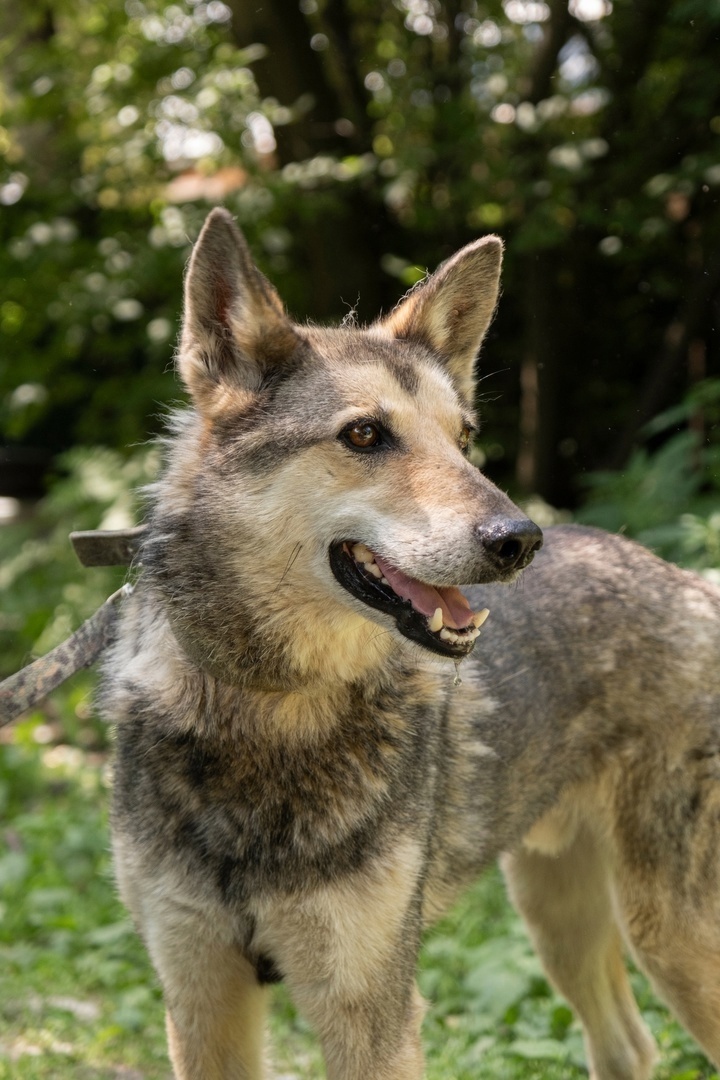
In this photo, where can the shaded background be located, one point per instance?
(360, 143)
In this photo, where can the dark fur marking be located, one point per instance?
(225, 874)
(199, 768)
(263, 458)
(266, 972)
(406, 375)
(248, 834)
(703, 753)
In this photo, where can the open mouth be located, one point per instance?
(437, 617)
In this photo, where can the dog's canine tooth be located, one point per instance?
(373, 568)
(479, 617)
(436, 620)
(384, 580)
(362, 553)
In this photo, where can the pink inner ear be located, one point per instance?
(222, 294)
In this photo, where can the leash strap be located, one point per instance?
(108, 547)
(96, 547)
(25, 689)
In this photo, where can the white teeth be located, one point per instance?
(459, 636)
(363, 554)
(466, 634)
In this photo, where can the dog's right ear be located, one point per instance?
(453, 308)
(235, 329)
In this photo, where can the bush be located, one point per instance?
(668, 498)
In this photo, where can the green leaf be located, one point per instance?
(544, 1049)
(14, 868)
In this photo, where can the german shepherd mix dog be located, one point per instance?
(301, 787)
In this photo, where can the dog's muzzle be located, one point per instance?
(437, 617)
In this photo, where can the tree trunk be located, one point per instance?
(537, 462)
(536, 467)
(293, 73)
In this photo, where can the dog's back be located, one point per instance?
(598, 649)
(602, 669)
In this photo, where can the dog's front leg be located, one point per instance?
(215, 1005)
(347, 952)
(374, 1039)
(370, 1036)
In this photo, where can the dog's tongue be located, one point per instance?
(427, 598)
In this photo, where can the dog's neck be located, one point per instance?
(308, 712)
(293, 660)
(161, 665)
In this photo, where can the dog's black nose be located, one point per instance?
(510, 544)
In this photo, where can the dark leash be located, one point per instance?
(24, 690)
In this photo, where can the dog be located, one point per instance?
(301, 785)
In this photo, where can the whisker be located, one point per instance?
(293, 556)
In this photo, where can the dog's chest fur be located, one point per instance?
(250, 793)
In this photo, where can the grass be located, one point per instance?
(78, 998)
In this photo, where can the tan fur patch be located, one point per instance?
(354, 926)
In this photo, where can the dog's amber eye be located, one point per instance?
(465, 439)
(363, 435)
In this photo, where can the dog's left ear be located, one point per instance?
(452, 310)
(235, 330)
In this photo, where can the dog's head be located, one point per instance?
(322, 480)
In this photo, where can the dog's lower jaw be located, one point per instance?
(365, 583)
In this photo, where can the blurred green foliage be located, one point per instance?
(668, 498)
(75, 985)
